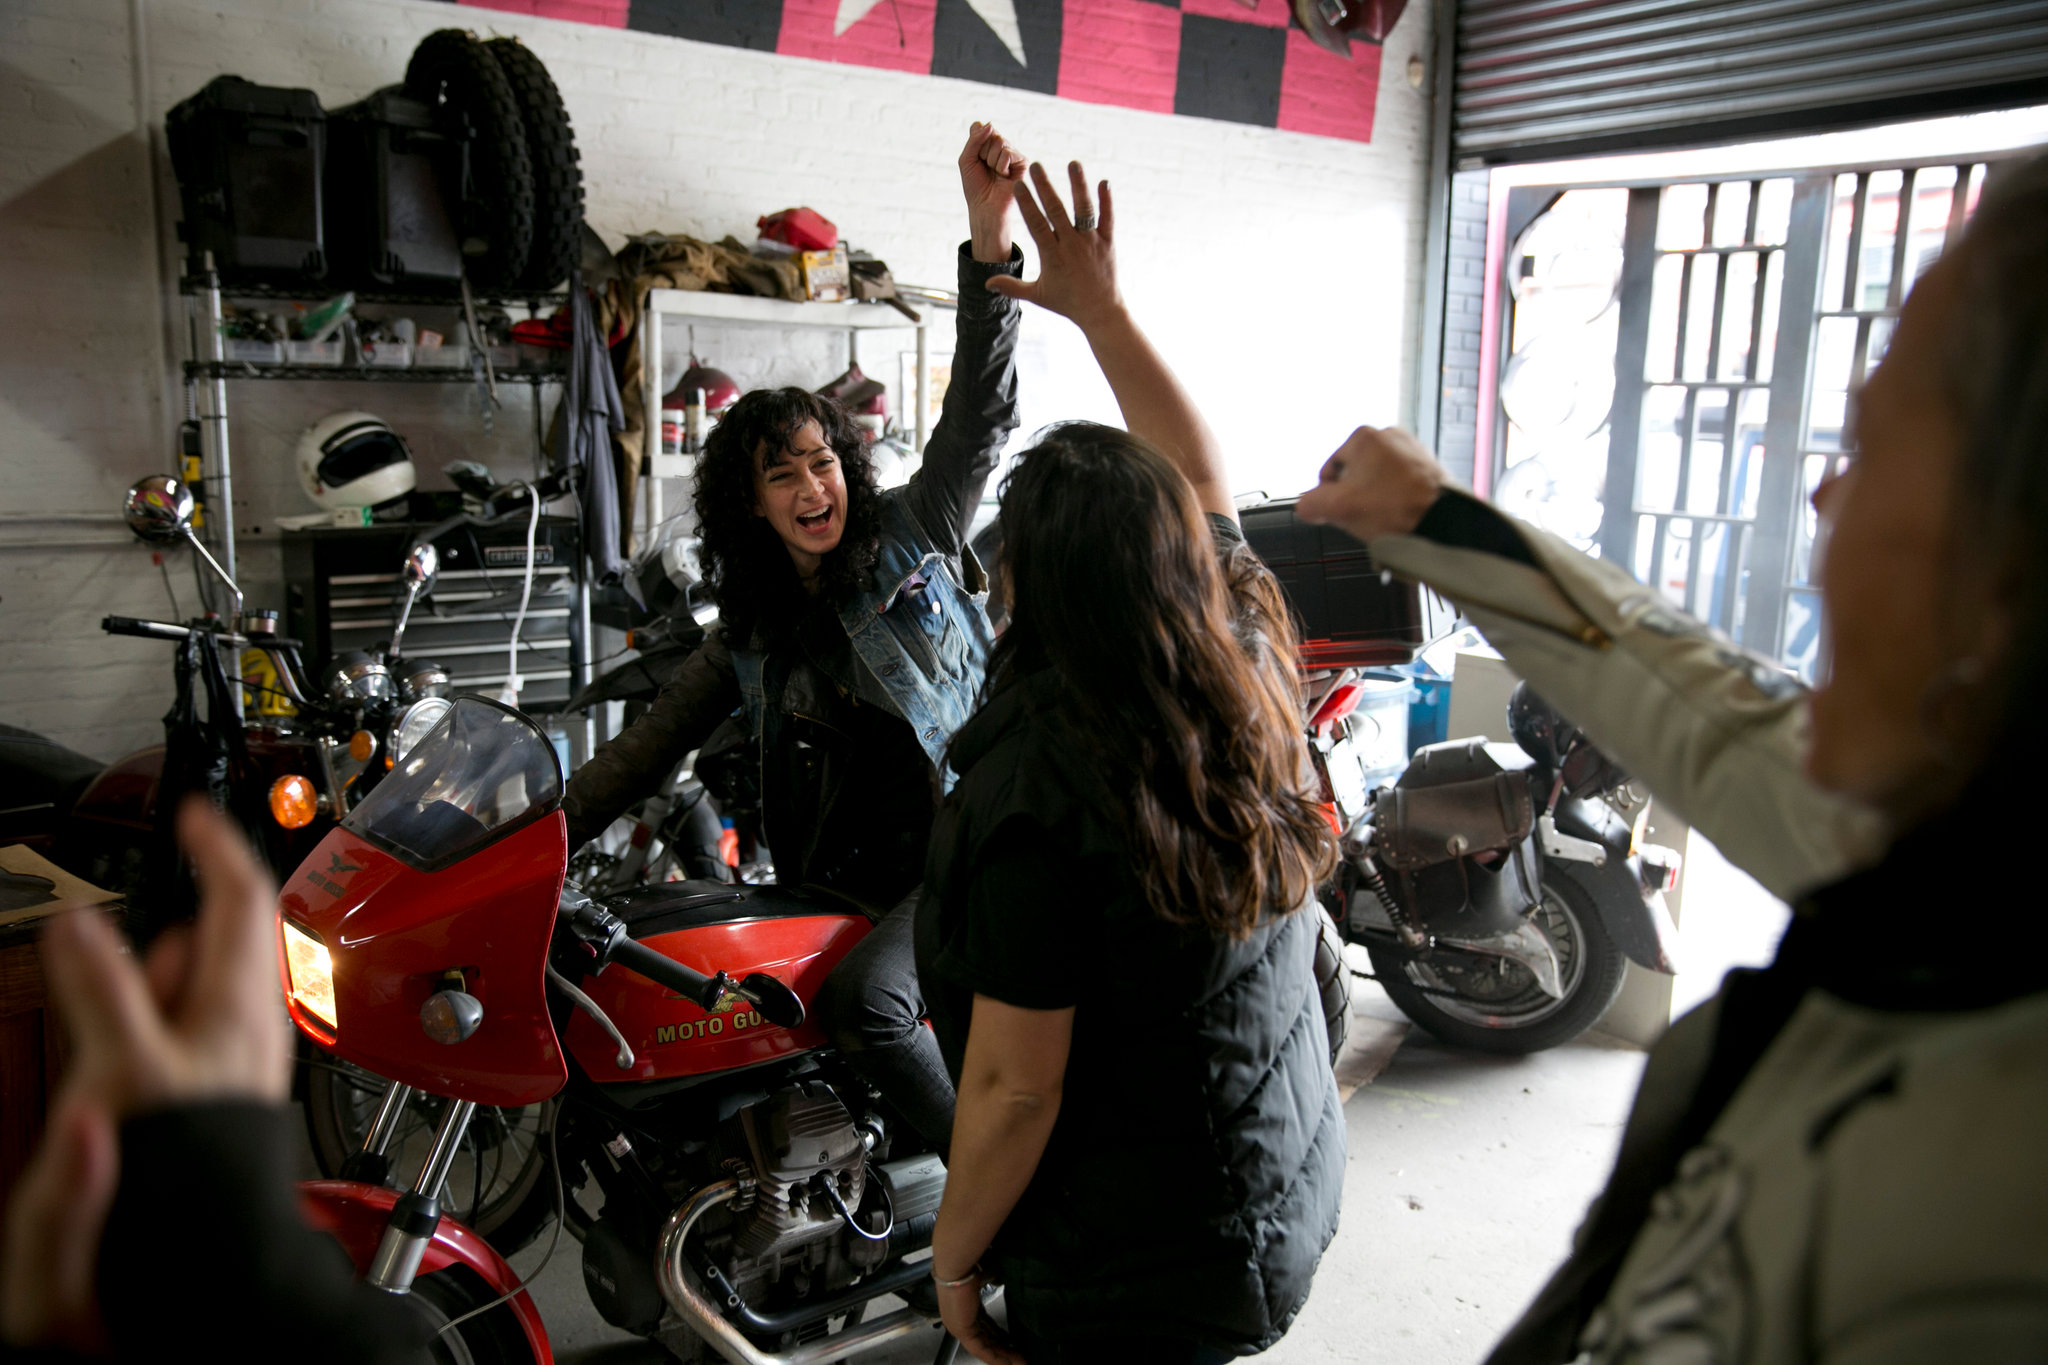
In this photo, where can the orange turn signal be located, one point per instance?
(361, 745)
(293, 802)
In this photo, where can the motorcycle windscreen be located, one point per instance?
(484, 772)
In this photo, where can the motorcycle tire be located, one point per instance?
(1333, 982)
(508, 1147)
(557, 172)
(492, 1338)
(451, 68)
(1501, 1010)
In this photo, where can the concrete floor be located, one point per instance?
(1467, 1175)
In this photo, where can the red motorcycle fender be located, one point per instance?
(354, 1214)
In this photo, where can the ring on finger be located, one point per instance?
(1084, 222)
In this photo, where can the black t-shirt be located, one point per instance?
(1032, 911)
(849, 793)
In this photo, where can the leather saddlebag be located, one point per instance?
(1419, 827)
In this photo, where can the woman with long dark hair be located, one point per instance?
(1838, 1158)
(851, 638)
(1147, 1150)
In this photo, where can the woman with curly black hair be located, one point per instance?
(852, 637)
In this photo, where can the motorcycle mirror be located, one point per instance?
(778, 1004)
(158, 509)
(422, 567)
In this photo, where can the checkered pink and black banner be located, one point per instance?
(1236, 60)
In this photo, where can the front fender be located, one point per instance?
(1639, 923)
(354, 1214)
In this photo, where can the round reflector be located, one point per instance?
(361, 745)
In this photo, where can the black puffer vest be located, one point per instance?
(1192, 1179)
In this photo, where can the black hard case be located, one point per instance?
(249, 160)
(395, 169)
(1347, 617)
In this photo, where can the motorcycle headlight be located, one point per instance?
(311, 974)
(415, 722)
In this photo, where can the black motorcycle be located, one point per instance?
(1496, 887)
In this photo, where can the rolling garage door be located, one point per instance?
(1541, 78)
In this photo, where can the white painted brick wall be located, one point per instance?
(1276, 271)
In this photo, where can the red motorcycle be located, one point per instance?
(737, 1191)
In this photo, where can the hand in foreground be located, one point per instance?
(989, 171)
(960, 1308)
(1076, 255)
(200, 1020)
(1380, 482)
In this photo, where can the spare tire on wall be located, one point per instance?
(452, 68)
(557, 174)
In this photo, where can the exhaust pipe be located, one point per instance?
(687, 1297)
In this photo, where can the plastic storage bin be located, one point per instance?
(249, 160)
(1347, 617)
(237, 352)
(449, 355)
(312, 352)
(395, 170)
(389, 355)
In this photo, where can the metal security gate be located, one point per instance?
(1537, 79)
(1745, 314)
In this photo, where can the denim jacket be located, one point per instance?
(921, 630)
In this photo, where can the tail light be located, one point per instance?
(309, 973)
(293, 802)
(1341, 702)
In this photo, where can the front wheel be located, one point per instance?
(492, 1337)
(1495, 1005)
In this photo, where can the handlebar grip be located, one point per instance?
(146, 630)
(660, 968)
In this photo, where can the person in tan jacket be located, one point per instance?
(1842, 1157)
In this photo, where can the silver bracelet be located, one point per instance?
(973, 1274)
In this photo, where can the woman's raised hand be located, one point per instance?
(1076, 254)
(989, 171)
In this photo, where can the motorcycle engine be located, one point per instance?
(798, 1142)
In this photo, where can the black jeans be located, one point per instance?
(872, 1009)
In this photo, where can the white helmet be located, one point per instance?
(353, 459)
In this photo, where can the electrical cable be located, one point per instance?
(177, 612)
(510, 694)
(554, 1238)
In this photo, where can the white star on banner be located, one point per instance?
(1001, 17)
(851, 12)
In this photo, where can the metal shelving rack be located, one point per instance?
(208, 373)
(745, 310)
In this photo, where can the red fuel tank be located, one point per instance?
(391, 933)
(791, 936)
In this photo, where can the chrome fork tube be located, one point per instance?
(447, 1140)
(378, 1139)
(418, 1213)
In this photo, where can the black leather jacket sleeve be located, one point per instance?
(690, 705)
(980, 410)
(205, 1245)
